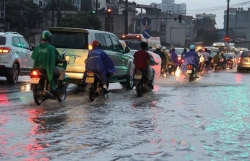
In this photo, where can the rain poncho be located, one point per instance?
(174, 57)
(191, 57)
(100, 62)
(45, 57)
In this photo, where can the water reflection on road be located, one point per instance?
(204, 120)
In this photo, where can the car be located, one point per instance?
(157, 59)
(243, 62)
(78, 43)
(15, 56)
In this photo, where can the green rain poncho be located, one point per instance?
(45, 57)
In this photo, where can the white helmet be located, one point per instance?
(158, 46)
(164, 48)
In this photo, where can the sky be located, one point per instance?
(216, 7)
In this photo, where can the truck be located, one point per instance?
(133, 41)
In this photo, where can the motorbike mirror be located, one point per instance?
(64, 52)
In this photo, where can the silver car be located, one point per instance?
(15, 56)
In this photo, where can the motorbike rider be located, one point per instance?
(164, 50)
(142, 61)
(201, 59)
(174, 58)
(191, 57)
(46, 57)
(101, 63)
(206, 58)
(182, 56)
(224, 59)
(216, 58)
(163, 58)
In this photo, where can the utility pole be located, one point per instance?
(53, 14)
(96, 7)
(126, 17)
(227, 17)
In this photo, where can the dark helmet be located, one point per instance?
(46, 35)
(144, 45)
(96, 43)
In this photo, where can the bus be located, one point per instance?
(133, 41)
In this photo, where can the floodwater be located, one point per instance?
(208, 119)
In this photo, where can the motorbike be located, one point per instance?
(229, 63)
(94, 85)
(141, 82)
(171, 67)
(218, 67)
(42, 89)
(191, 72)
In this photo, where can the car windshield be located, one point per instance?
(133, 45)
(73, 40)
(229, 55)
(246, 54)
(2, 40)
(179, 51)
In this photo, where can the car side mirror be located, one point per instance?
(127, 49)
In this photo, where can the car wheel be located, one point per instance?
(14, 74)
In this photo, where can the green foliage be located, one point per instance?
(65, 5)
(22, 17)
(81, 20)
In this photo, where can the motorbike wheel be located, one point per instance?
(92, 94)
(38, 96)
(190, 78)
(61, 97)
(139, 89)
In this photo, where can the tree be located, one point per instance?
(64, 5)
(81, 20)
(20, 16)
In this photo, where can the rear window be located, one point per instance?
(245, 54)
(2, 40)
(73, 40)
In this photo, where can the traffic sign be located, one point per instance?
(146, 34)
(226, 38)
(146, 21)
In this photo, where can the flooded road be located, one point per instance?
(208, 119)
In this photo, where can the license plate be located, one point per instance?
(137, 76)
(169, 66)
(90, 80)
(34, 80)
(189, 71)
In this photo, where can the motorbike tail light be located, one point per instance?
(34, 74)
(4, 50)
(189, 67)
(182, 61)
(90, 74)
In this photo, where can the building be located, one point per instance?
(204, 15)
(238, 26)
(169, 6)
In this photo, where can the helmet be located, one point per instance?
(96, 43)
(46, 35)
(164, 48)
(192, 47)
(158, 46)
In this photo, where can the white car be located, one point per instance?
(15, 56)
(157, 59)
